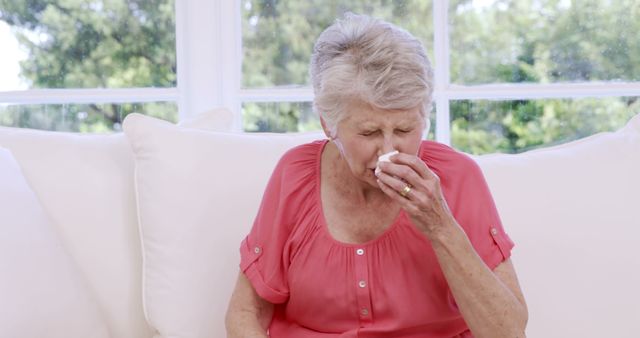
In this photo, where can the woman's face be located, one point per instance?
(368, 132)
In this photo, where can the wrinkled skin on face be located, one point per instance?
(368, 132)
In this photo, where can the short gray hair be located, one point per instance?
(363, 58)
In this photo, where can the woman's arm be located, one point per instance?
(248, 315)
(491, 302)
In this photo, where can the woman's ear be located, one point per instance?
(326, 130)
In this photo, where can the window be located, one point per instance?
(510, 75)
(564, 67)
(278, 36)
(84, 65)
(511, 126)
(277, 40)
(544, 41)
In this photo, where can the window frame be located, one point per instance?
(209, 76)
(445, 92)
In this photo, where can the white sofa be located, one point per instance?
(136, 234)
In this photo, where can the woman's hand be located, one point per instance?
(410, 182)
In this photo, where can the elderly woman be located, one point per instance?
(340, 249)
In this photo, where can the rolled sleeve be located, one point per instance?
(480, 219)
(501, 250)
(249, 255)
(263, 250)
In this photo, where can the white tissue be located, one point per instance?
(384, 158)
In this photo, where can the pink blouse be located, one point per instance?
(391, 286)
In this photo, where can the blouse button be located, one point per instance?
(362, 284)
(494, 231)
(256, 250)
(360, 252)
(364, 312)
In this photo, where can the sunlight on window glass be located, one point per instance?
(10, 60)
(82, 44)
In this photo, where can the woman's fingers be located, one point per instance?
(402, 173)
(415, 163)
(408, 180)
(395, 195)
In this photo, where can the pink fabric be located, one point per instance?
(292, 260)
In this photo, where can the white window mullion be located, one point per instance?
(505, 91)
(230, 47)
(524, 91)
(300, 94)
(60, 96)
(181, 20)
(198, 38)
(441, 70)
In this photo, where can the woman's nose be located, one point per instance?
(388, 145)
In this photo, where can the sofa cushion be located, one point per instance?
(197, 194)
(85, 184)
(576, 236)
(573, 211)
(41, 291)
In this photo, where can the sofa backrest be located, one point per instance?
(573, 211)
(85, 184)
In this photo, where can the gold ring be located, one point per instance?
(405, 191)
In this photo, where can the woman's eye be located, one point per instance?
(404, 131)
(368, 133)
